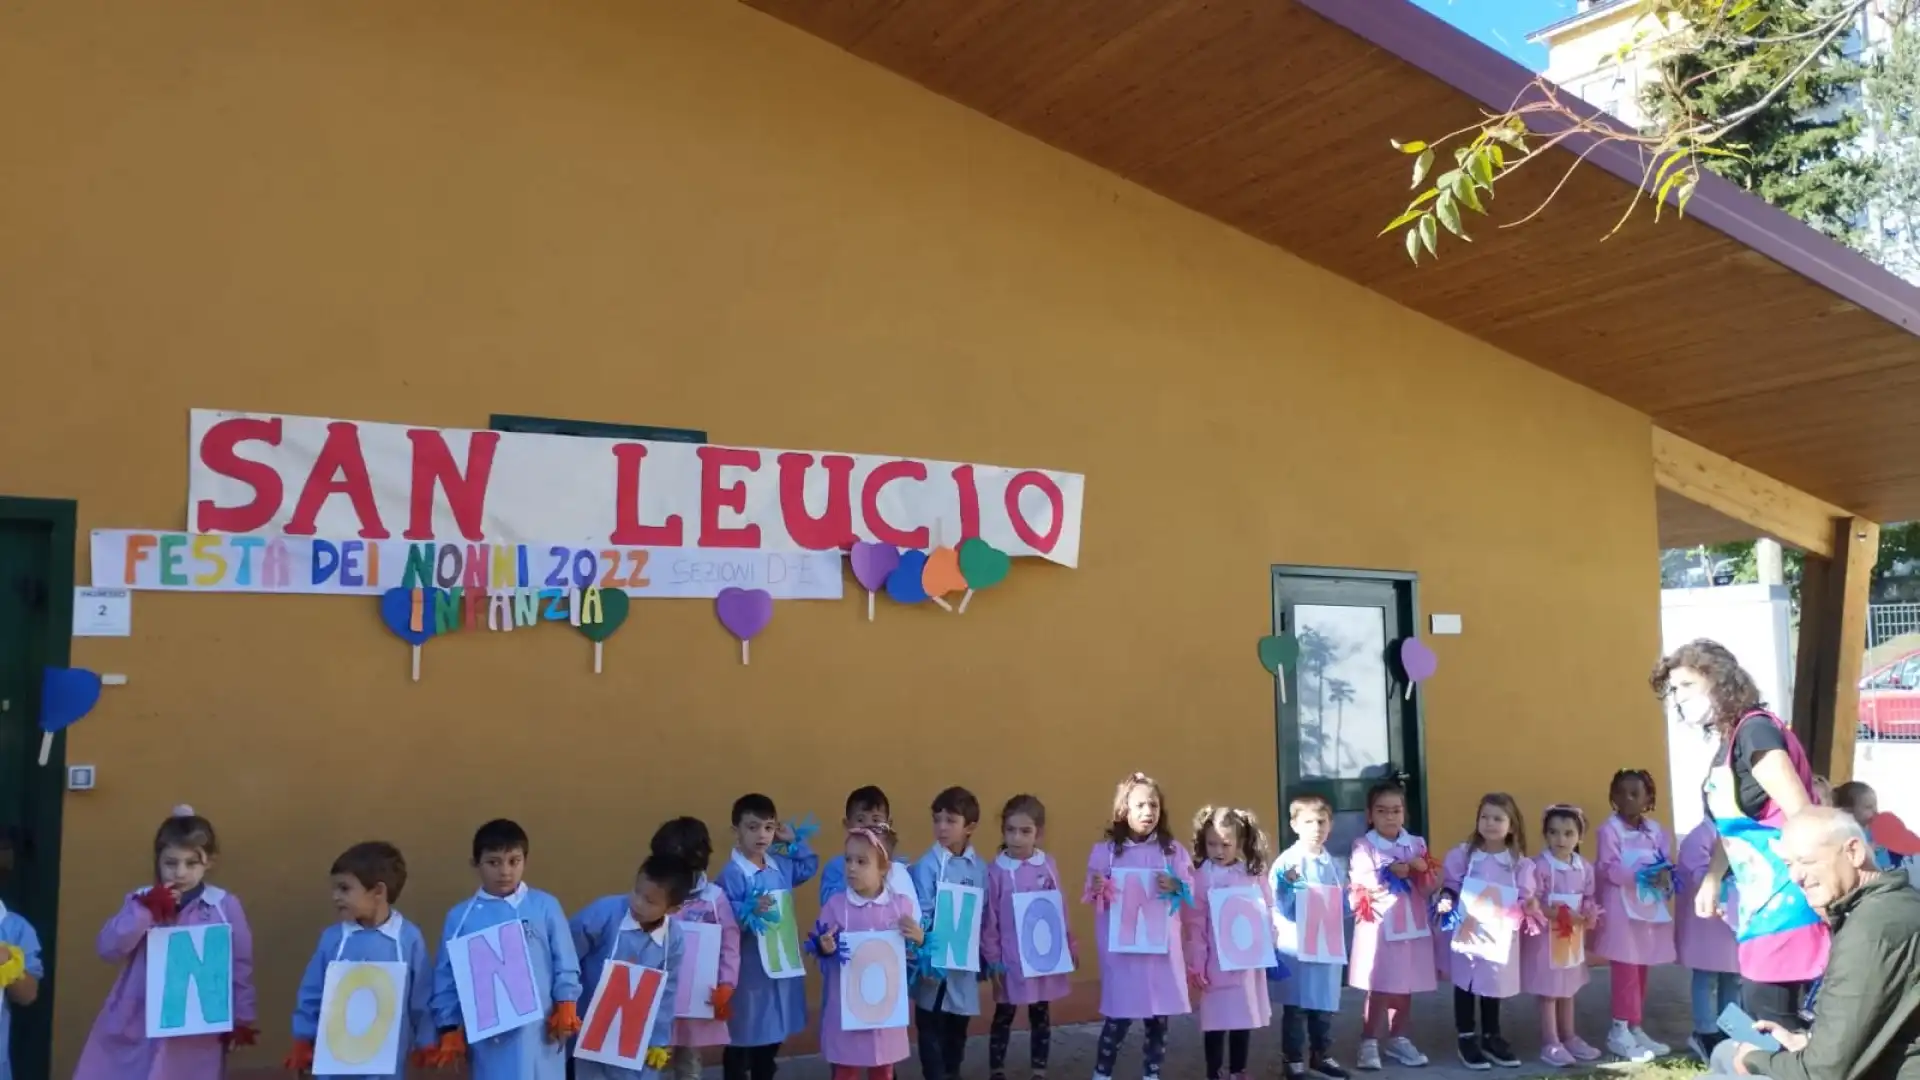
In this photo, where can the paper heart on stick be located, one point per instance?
(871, 565)
(1278, 653)
(614, 607)
(1418, 661)
(67, 695)
(982, 565)
(744, 612)
(942, 575)
(402, 610)
(903, 584)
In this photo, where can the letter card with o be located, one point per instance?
(873, 981)
(1040, 928)
(362, 1006)
(1242, 925)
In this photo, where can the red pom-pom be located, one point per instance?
(160, 901)
(1363, 906)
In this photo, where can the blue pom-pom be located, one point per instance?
(1449, 920)
(1647, 878)
(1397, 884)
(751, 919)
(812, 946)
(1181, 895)
(930, 946)
(1279, 970)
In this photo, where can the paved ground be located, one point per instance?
(1073, 1048)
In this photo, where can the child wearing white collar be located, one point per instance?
(869, 903)
(1491, 881)
(1021, 867)
(640, 933)
(1553, 963)
(944, 1006)
(20, 966)
(367, 879)
(687, 839)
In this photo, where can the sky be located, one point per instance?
(1504, 24)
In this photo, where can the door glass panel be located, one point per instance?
(1344, 692)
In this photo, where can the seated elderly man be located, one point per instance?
(1866, 1022)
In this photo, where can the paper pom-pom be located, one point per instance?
(183, 810)
(1531, 923)
(657, 1057)
(13, 964)
(1428, 880)
(803, 830)
(992, 971)
(1279, 970)
(1397, 884)
(1449, 920)
(1648, 879)
(1564, 924)
(1103, 892)
(1179, 896)
(1363, 906)
(812, 946)
(748, 914)
(930, 946)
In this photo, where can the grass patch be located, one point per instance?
(1672, 1067)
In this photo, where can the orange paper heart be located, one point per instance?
(942, 574)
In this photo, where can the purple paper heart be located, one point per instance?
(872, 563)
(1418, 660)
(744, 612)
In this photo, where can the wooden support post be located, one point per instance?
(1832, 645)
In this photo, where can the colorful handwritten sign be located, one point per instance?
(1568, 950)
(780, 945)
(1489, 915)
(493, 975)
(1139, 917)
(699, 970)
(1320, 924)
(1040, 928)
(189, 980)
(361, 1006)
(619, 1022)
(873, 982)
(1401, 918)
(956, 926)
(1242, 926)
(258, 473)
(185, 562)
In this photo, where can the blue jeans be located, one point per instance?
(1713, 991)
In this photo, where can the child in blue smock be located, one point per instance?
(867, 808)
(1310, 996)
(942, 1008)
(367, 879)
(639, 932)
(20, 968)
(536, 1051)
(766, 1011)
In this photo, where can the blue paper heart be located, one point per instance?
(66, 695)
(903, 584)
(396, 610)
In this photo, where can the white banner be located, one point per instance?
(155, 559)
(261, 473)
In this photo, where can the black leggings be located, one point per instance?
(1466, 1004)
(943, 1041)
(1778, 1002)
(1114, 1032)
(1039, 1035)
(1234, 1045)
(749, 1062)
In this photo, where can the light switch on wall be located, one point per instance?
(1446, 624)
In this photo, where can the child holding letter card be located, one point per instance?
(1636, 928)
(704, 985)
(206, 985)
(1490, 879)
(374, 952)
(951, 881)
(1230, 935)
(770, 1004)
(864, 1023)
(1136, 985)
(1025, 935)
(1392, 876)
(628, 1026)
(1310, 893)
(1553, 963)
(20, 966)
(535, 974)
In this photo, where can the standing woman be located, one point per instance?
(1759, 779)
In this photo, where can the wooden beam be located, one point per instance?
(1733, 490)
(1833, 646)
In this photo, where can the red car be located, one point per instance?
(1890, 700)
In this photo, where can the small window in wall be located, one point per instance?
(592, 429)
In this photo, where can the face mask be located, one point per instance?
(1696, 710)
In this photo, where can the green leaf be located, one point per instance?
(1414, 147)
(1463, 192)
(1412, 214)
(1686, 192)
(1413, 244)
(1448, 212)
(1421, 166)
(1666, 186)
(1429, 234)
(1481, 166)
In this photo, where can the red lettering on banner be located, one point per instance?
(433, 467)
(834, 527)
(969, 502)
(627, 530)
(714, 497)
(882, 475)
(340, 469)
(1031, 479)
(217, 453)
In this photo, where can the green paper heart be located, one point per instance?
(613, 611)
(982, 564)
(1279, 652)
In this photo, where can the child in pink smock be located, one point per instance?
(117, 1048)
(1232, 1003)
(1704, 946)
(687, 839)
(1553, 963)
(1489, 882)
(868, 904)
(1633, 866)
(1392, 955)
(1021, 867)
(1143, 969)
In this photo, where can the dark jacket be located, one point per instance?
(1866, 1023)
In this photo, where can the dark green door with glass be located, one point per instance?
(1346, 723)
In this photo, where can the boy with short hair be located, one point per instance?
(536, 1051)
(943, 1007)
(367, 879)
(20, 965)
(1893, 843)
(766, 1011)
(639, 932)
(1310, 996)
(867, 808)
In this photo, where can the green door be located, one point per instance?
(1346, 723)
(36, 621)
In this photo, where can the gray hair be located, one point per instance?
(1833, 827)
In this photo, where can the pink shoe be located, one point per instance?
(1556, 1055)
(1580, 1050)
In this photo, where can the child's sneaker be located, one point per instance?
(1700, 1045)
(1581, 1049)
(1324, 1066)
(1498, 1052)
(1368, 1057)
(1648, 1042)
(1296, 1070)
(1401, 1049)
(1556, 1055)
(1470, 1054)
(1622, 1044)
